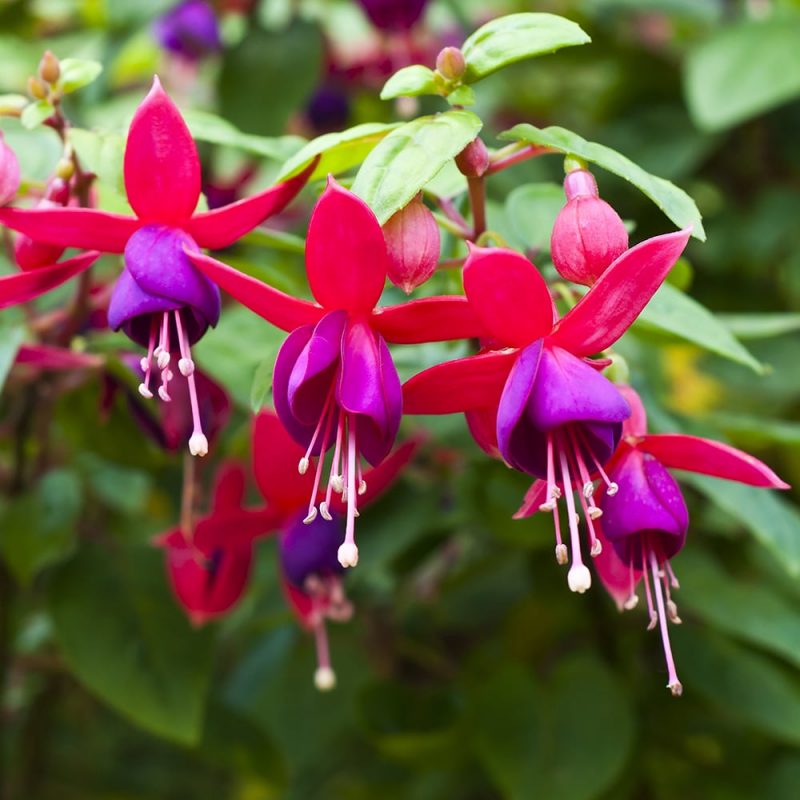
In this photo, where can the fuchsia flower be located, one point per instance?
(189, 29)
(9, 172)
(393, 15)
(556, 416)
(335, 384)
(160, 300)
(646, 522)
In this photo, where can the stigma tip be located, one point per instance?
(324, 679)
(579, 579)
(198, 444)
(348, 554)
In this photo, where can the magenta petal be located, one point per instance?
(223, 226)
(346, 256)
(617, 577)
(162, 170)
(25, 286)
(85, 228)
(611, 306)
(45, 356)
(310, 550)
(131, 306)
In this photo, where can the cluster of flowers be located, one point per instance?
(534, 396)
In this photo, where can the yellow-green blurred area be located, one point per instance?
(469, 671)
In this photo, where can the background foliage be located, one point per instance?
(469, 670)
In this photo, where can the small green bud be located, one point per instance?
(450, 64)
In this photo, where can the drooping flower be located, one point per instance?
(335, 384)
(393, 15)
(588, 235)
(160, 300)
(556, 416)
(645, 523)
(189, 29)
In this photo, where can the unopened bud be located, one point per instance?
(9, 173)
(473, 160)
(65, 169)
(49, 68)
(412, 241)
(450, 63)
(36, 88)
(588, 234)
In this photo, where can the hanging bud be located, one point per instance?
(412, 240)
(588, 234)
(49, 68)
(450, 64)
(30, 254)
(36, 88)
(9, 173)
(473, 160)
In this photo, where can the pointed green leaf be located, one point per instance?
(410, 82)
(77, 73)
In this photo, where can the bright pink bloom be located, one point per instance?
(645, 524)
(160, 300)
(556, 416)
(335, 384)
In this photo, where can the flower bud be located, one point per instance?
(49, 68)
(588, 234)
(9, 173)
(36, 88)
(473, 160)
(450, 63)
(412, 241)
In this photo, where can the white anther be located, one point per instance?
(302, 465)
(167, 375)
(676, 688)
(588, 489)
(337, 483)
(548, 505)
(362, 487)
(164, 394)
(579, 579)
(348, 554)
(595, 512)
(612, 489)
(144, 364)
(562, 556)
(158, 351)
(672, 613)
(163, 359)
(555, 492)
(312, 515)
(576, 519)
(198, 444)
(653, 621)
(597, 548)
(324, 679)
(631, 602)
(144, 391)
(323, 510)
(186, 367)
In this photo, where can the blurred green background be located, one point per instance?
(469, 671)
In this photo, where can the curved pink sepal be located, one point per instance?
(223, 226)
(615, 575)
(429, 319)
(86, 228)
(708, 457)
(233, 529)
(611, 306)
(43, 356)
(24, 286)
(229, 487)
(509, 295)
(636, 424)
(346, 257)
(282, 310)
(534, 497)
(455, 386)
(162, 169)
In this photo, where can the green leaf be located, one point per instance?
(758, 430)
(124, 638)
(12, 103)
(36, 113)
(262, 383)
(672, 311)
(760, 326)
(101, 152)
(569, 739)
(410, 82)
(674, 202)
(746, 686)
(743, 71)
(532, 210)
(122, 488)
(338, 151)
(410, 156)
(12, 334)
(207, 127)
(462, 96)
(39, 527)
(748, 611)
(515, 37)
(77, 73)
(772, 520)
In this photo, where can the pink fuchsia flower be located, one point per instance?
(645, 524)
(160, 300)
(588, 235)
(9, 172)
(557, 417)
(335, 384)
(393, 15)
(189, 29)
(208, 567)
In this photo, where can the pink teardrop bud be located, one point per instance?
(9, 173)
(450, 63)
(588, 234)
(412, 241)
(473, 160)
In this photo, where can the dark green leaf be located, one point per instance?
(515, 37)
(674, 202)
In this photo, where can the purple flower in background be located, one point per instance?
(189, 29)
(393, 15)
(329, 109)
